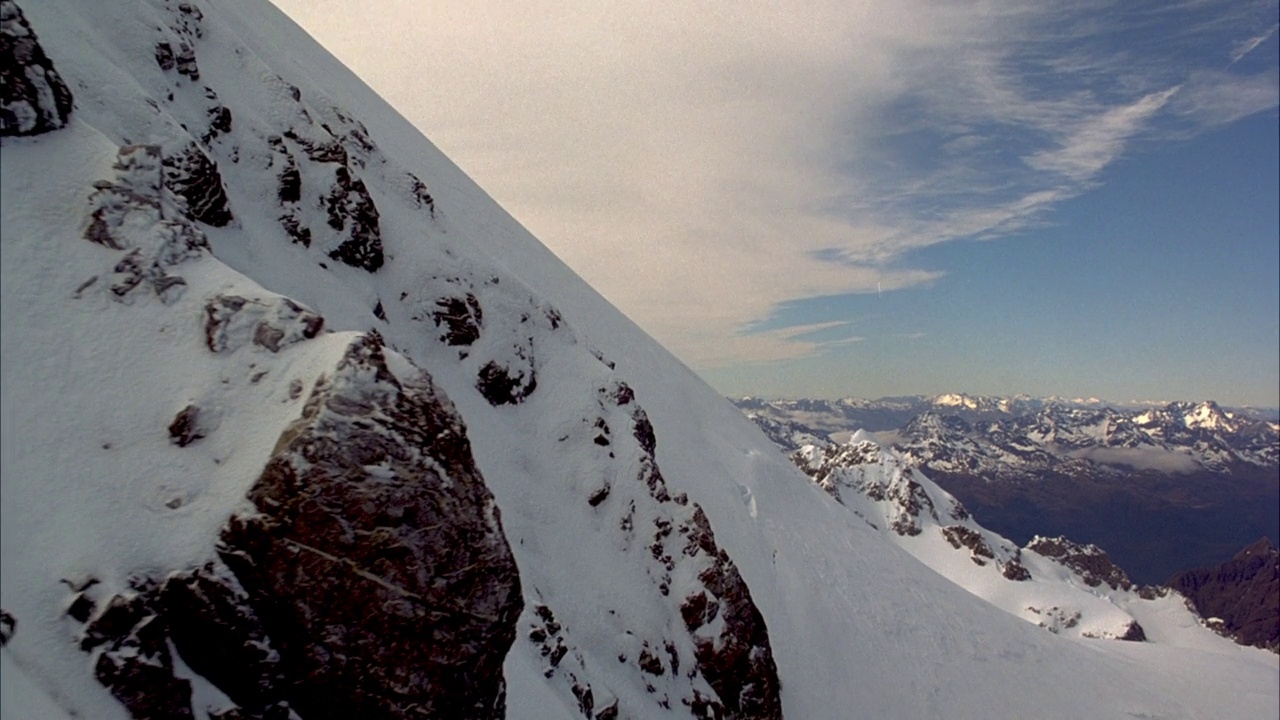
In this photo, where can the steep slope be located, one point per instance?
(1057, 584)
(209, 455)
(1243, 594)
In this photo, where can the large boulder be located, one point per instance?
(377, 560)
(33, 97)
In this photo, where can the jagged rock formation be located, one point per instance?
(374, 580)
(1089, 561)
(1242, 595)
(33, 97)
(378, 553)
(720, 663)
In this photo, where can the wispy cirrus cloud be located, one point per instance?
(702, 163)
(1249, 45)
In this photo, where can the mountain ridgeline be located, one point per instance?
(1162, 487)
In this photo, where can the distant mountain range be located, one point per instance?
(1163, 486)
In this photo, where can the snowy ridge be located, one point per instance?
(1067, 588)
(157, 418)
(1012, 437)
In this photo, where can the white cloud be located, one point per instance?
(1247, 46)
(1099, 139)
(699, 163)
(1214, 98)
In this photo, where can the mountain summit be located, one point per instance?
(298, 423)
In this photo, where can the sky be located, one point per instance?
(885, 197)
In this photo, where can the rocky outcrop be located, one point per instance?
(129, 638)
(351, 212)
(1090, 562)
(133, 214)
(232, 321)
(731, 643)
(459, 318)
(194, 179)
(373, 580)
(960, 536)
(860, 467)
(1242, 594)
(377, 559)
(33, 97)
(353, 235)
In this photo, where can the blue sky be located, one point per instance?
(878, 198)
(1162, 283)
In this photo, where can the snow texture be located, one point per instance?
(619, 505)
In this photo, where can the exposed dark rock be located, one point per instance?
(650, 662)
(231, 321)
(186, 427)
(643, 431)
(133, 659)
(33, 97)
(194, 178)
(1133, 632)
(165, 57)
(352, 212)
(1243, 593)
(377, 562)
(218, 634)
(219, 122)
(323, 151)
(81, 608)
(290, 178)
(1014, 570)
(1090, 562)
(735, 658)
(296, 231)
(502, 386)
(461, 317)
(8, 625)
(586, 700)
(961, 536)
(421, 196)
(598, 495)
(184, 61)
(912, 499)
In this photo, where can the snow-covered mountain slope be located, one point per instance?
(297, 422)
(1065, 587)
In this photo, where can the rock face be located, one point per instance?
(33, 98)
(1242, 593)
(1090, 562)
(378, 559)
(374, 580)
